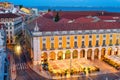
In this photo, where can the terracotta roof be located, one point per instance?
(78, 14)
(45, 24)
(108, 17)
(48, 15)
(74, 15)
(83, 20)
(63, 20)
(9, 15)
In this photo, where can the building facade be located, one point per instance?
(13, 25)
(3, 57)
(92, 40)
(90, 44)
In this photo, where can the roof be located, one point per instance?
(76, 14)
(9, 15)
(77, 21)
(48, 25)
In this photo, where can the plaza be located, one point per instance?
(71, 67)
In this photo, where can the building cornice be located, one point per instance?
(74, 32)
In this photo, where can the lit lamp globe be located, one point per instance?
(18, 49)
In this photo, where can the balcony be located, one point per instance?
(117, 44)
(75, 46)
(67, 47)
(90, 46)
(60, 48)
(96, 45)
(82, 46)
(52, 48)
(110, 44)
(44, 49)
(103, 45)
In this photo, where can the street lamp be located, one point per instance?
(18, 49)
(70, 68)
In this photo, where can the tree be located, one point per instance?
(49, 10)
(57, 18)
(20, 6)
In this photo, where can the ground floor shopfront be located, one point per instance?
(88, 53)
(62, 54)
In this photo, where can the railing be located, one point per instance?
(67, 47)
(60, 48)
(96, 45)
(44, 49)
(104, 45)
(110, 44)
(83, 46)
(52, 48)
(75, 46)
(116, 44)
(90, 46)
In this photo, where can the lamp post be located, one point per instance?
(18, 51)
(70, 66)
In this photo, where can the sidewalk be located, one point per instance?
(47, 75)
(12, 68)
(40, 72)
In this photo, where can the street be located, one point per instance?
(24, 72)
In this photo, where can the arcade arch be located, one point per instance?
(75, 54)
(67, 54)
(60, 55)
(103, 52)
(89, 54)
(52, 55)
(44, 56)
(96, 53)
(82, 53)
(109, 51)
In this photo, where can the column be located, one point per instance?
(56, 56)
(63, 56)
(92, 54)
(99, 56)
(48, 56)
(40, 58)
(71, 55)
(118, 51)
(78, 55)
(106, 52)
(112, 52)
(85, 54)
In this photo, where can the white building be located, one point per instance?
(3, 63)
(13, 25)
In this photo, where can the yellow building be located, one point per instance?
(64, 41)
(28, 11)
(6, 5)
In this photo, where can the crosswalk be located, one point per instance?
(21, 66)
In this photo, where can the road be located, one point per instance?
(24, 72)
